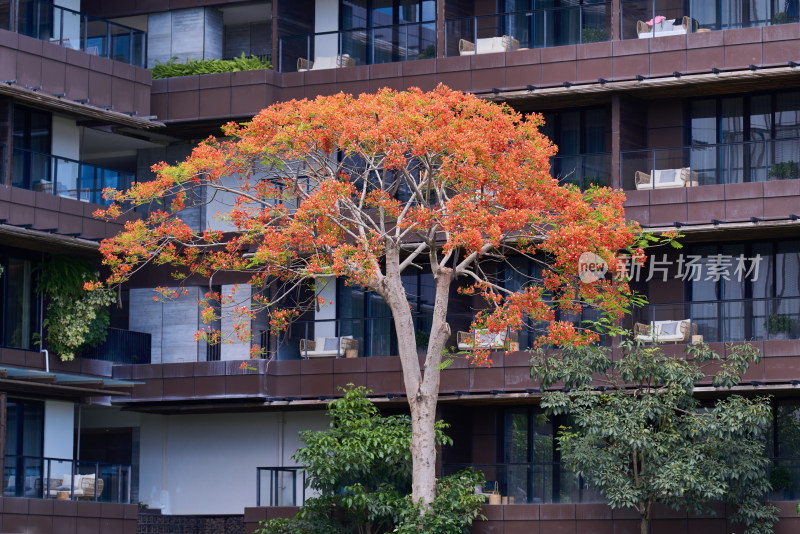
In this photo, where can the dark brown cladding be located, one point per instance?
(56, 218)
(755, 202)
(58, 70)
(51, 516)
(317, 380)
(236, 95)
(571, 518)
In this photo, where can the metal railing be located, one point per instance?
(710, 164)
(637, 16)
(364, 46)
(43, 20)
(58, 478)
(376, 336)
(65, 177)
(280, 486)
(531, 482)
(538, 28)
(123, 347)
(582, 170)
(730, 320)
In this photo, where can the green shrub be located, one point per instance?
(172, 68)
(784, 170)
(593, 35)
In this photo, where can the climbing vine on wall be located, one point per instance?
(74, 317)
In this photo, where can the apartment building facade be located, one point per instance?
(691, 107)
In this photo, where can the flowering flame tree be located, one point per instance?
(365, 188)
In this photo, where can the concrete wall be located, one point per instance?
(193, 33)
(206, 464)
(66, 137)
(59, 425)
(172, 324)
(236, 350)
(326, 19)
(326, 289)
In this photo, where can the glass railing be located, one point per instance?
(57, 478)
(539, 28)
(529, 483)
(65, 177)
(645, 19)
(365, 46)
(724, 163)
(583, 170)
(281, 486)
(43, 20)
(123, 347)
(722, 320)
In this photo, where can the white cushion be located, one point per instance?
(667, 178)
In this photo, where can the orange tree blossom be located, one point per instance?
(365, 188)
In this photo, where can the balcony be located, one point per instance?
(519, 30)
(364, 46)
(65, 177)
(696, 165)
(122, 347)
(40, 477)
(765, 319)
(44, 21)
(680, 18)
(582, 170)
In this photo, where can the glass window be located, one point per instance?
(19, 303)
(704, 122)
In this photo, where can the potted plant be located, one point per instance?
(779, 326)
(785, 170)
(593, 35)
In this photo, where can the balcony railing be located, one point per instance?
(730, 320)
(724, 163)
(280, 486)
(531, 482)
(365, 46)
(57, 478)
(538, 28)
(65, 177)
(123, 347)
(43, 20)
(583, 170)
(680, 17)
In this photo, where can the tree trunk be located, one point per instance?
(423, 448)
(645, 525)
(422, 391)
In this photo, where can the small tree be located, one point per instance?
(366, 188)
(640, 437)
(360, 468)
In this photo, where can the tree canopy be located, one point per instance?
(366, 188)
(640, 436)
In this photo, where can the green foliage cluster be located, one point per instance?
(361, 469)
(593, 35)
(778, 323)
(75, 317)
(172, 68)
(784, 171)
(644, 438)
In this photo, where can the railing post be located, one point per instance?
(119, 482)
(96, 479)
(580, 24)
(61, 28)
(308, 51)
(258, 486)
(108, 40)
(305, 345)
(280, 55)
